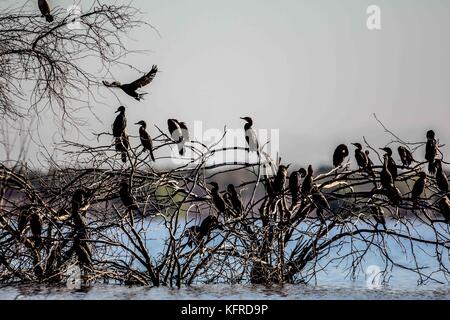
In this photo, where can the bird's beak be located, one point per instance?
(137, 123)
(287, 167)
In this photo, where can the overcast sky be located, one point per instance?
(311, 69)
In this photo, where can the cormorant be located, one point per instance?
(444, 205)
(280, 179)
(250, 135)
(339, 155)
(377, 213)
(36, 228)
(308, 180)
(217, 198)
(130, 88)
(146, 140)
(197, 233)
(176, 134)
(44, 7)
(385, 175)
(185, 135)
(79, 204)
(360, 156)
(24, 218)
(431, 151)
(320, 202)
(405, 156)
(122, 145)
(441, 177)
(127, 198)
(392, 166)
(294, 185)
(234, 199)
(419, 187)
(120, 123)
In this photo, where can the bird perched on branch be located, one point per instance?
(176, 133)
(308, 180)
(360, 156)
(294, 185)
(385, 175)
(196, 234)
(122, 145)
(185, 135)
(431, 151)
(128, 200)
(44, 7)
(339, 155)
(120, 123)
(217, 198)
(441, 177)
(250, 135)
(405, 156)
(131, 88)
(419, 187)
(146, 140)
(377, 213)
(391, 165)
(36, 228)
(79, 203)
(280, 179)
(444, 206)
(320, 202)
(234, 199)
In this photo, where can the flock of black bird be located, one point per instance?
(231, 203)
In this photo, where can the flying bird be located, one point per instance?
(131, 88)
(146, 140)
(44, 7)
(340, 153)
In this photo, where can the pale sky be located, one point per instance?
(311, 69)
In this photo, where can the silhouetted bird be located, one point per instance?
(198, 233)
(122, 145)
(120, 123)
(419, 187)
(234, 199)
(130, 88)
(294, 185)
(405, 156)
(79, 204)
(441, 177)
(360, 156)
(44, 7)
(308, 180)
(280, 179)
(377, 213)
(444, 206)
(176, 133)
(391, 165)
(127, 198)
(36, 228)
(320, 202)
(217, 198)
(186, 137)
(431, 151)
(385, 174)
(339, 155)
(146, 140)
(250, 135)
(24, 218)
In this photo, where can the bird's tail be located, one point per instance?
(431, 167)
(152, 156)
(140, 96)
(124, 157)
(181, 149)
(49, 18)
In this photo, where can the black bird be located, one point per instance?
(79, 204)
(122, 145)
(217, 198)
(377, 213)
(431, 151)
(234, 199)
(44, 7)
(419, 187)
(146, 140)
(36, 228)
(392, 166)
(176, 134)
(441, 177)
(320, 202)
(24, 218)
(294, 185)
(128, 200)
(405, 156)
(197, 233)
(120, 123)
(339, 155)
(130, 88)
(308, 180)
(250, 135)
(360, 156)
(185, 135)
(444, 205)
(280, 179)
(385, 175)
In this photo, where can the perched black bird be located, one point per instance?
(44, 7)
(120, 123)
(146, 140)
(280, 179)
(217, 198)
(130, 88)
(339, 155)
(308, 180)
(36, 228)
(405, 156)
(176, 133)
(360, 156)
(444, 205)
(127, 198)
(431, 151)
(419, 187)
(441, 177)
(185, 135)
(391, 165)
(385, 175)
(234, 199)
(122, 145)
(294, 185)
(79, 204)
(250, 135)
(197, 233)
(377, 213)
(24, 218)
(320, 202)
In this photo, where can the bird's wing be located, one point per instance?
(145, 80)
(252, 140)
(44, 7)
